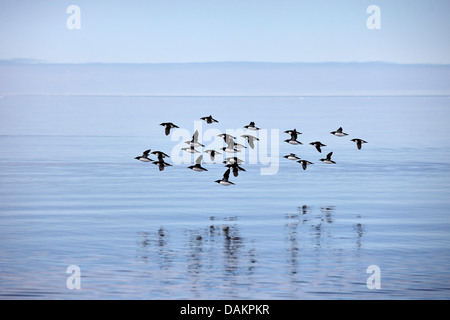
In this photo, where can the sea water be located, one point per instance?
(72, 194)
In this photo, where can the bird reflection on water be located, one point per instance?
(218, 255)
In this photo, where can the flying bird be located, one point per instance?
(191, 149)
(250, 139)
(236, 168)
(198, 167)
(304, 163)
(359, 143)
(318, 144)
(169, 126)
(292, 132)
(251, 126)
(292, 156)
(209, 119)
(161, 164)
(232, 160)
(339, 133)
(224, 181)
(328, 159)
(212, 153)
(194, 142)
(160, 155)
(144, 157)
(227, 138)
(293, 140)
(230, 149)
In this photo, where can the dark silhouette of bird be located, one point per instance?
(169, 126)
(209, 119)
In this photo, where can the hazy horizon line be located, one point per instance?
(43, 62)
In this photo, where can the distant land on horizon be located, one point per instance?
(211, 63)
(227, 78)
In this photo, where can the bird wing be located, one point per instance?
(226, 175)
(195, 136)
(250, 143)
(199, 160)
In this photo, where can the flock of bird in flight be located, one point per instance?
(233, 163)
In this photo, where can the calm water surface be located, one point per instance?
(72, 194)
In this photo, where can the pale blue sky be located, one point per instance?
(147, 31)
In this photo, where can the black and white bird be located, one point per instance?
(209, 119)
(251, 126)
(162, 164)
(160, 154)
(191, 149)
(339, 133)
(294, 134)
(144, 157)
(169, 126)
(230, 149)
(250, 139)
(328, 159)
(232, 160)
(318, 144)
(304, 163)
(229, 139)
(359, 143)
(224, 181)
(212, 153)
(198, 165)
(194, 142)
(236, 168)
(292, 156)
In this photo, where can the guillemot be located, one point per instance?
(304, 163)
(168, 125)
(236, 168)
(161, 164)
(191, 149)
(292, 156)
(293, 140)
(232, 160)
(194, 142)
(328, 159)
(318, 144)
(230, 149)
(144, 157)
(359, 142)
(225, 178)
(227, 138)
(209, 119)
(160, 154)
(212, 153)
(339, 133)
(250, 139)
(252, 126)
(292, 132)
(197, 167)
